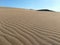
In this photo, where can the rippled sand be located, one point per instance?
(28, 27)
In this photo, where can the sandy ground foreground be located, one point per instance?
(28, 27)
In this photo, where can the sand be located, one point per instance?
(29, 27)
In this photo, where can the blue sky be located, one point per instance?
(32, 4)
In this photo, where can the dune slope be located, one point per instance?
(28, 27)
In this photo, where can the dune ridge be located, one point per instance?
(28, 27)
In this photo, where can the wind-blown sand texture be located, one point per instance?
(28, 27)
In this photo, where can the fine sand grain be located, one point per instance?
(28, 27)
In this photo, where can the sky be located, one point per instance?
(32, 4)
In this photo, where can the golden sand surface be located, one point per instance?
(29, 27)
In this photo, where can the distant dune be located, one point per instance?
(29, 27)
(46, 10)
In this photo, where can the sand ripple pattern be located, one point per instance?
(21, 34)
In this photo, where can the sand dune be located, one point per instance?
(28, 27)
